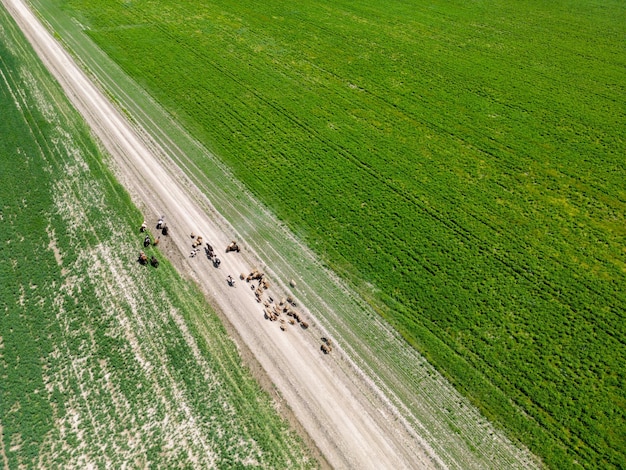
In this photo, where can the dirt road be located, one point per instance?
(347, 418)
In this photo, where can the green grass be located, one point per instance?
(465, 159)
(104, 362)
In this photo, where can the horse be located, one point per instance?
(209, 251)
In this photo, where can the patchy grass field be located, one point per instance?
(461, 163)
(104, 362)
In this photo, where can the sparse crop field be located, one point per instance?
(464, 159)
(104, 362)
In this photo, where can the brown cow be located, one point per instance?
(254, 275)
(232, 247)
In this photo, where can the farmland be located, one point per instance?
(104, 362)
(461, 164)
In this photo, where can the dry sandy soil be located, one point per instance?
(345, 417)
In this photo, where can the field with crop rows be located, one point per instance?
(104, 362)
(460, 163)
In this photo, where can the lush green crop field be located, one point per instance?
(104, 362)
(463, 158)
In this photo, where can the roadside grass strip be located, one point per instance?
(101, 359)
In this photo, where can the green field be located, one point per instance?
(104, 362)
(460, 163)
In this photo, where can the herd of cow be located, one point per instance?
(197, 243)
(210, 252)
(272, 310)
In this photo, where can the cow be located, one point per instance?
(232, 247)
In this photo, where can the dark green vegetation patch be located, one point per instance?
(464, 158)
(104, 363)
